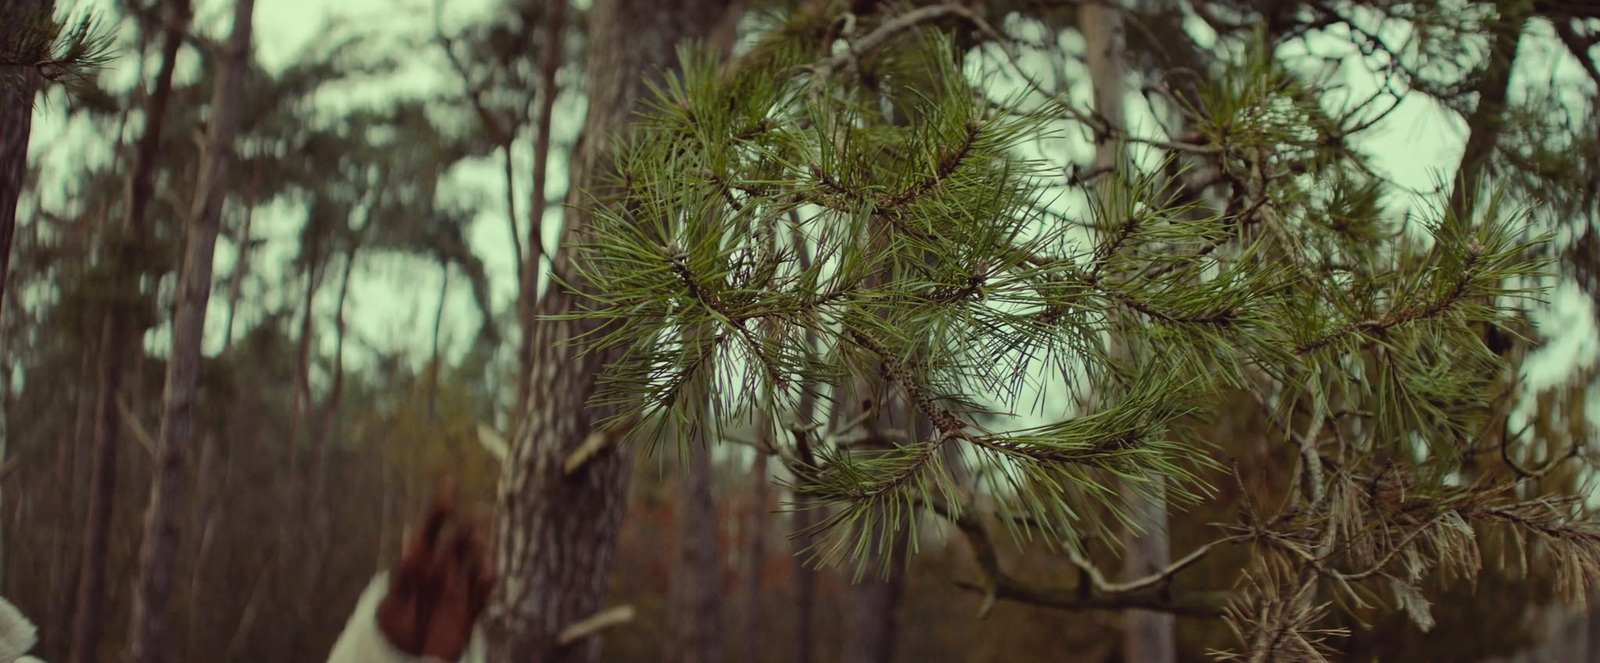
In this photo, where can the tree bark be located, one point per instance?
(438, 326)
(1147, 635)
(117, 335)
(556, 532)
(872, 603)
(1487, 120)
(241, 266)
(757, 548)
(695, 616)
(804, 518)
(157, 556)
(64, 589)
(18, 87)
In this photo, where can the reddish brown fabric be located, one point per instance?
(441, 585)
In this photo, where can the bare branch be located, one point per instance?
(612, 616)
(1147, 593)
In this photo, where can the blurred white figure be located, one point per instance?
(426, 609)
(17, 635)
(363, 642)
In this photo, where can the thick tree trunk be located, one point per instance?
(157, 556)
(18, 86)
(556, 532)
(117, 337)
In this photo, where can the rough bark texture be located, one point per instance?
(556, 532)
(18, 86)
(117, 334)
(157, 563)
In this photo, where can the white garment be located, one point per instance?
(362, 642)
(17, 635)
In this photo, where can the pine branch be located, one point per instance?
(1396, 318)
(1148, 593)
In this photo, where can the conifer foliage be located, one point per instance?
(875, 196)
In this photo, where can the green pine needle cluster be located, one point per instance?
(800, 224)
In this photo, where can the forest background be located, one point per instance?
(364, 330)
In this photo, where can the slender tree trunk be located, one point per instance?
(117, 336)
(1147, 636)
(696, 585)
(871, 610)
(438, 326)
(157, 558)
(804, 518)
(1487, 120)
(207, 514)
(528, 278)
(241, 269)
(872, 604)
(556, 532)
(805, 588)
(64, 583)
(757, 548)
(87, 626)
(317, 519)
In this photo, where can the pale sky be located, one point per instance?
(393, 299)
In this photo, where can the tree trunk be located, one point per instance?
(64, 587)
(1487, 120)
(1147, 636)
(434, 365)
(872, 603)
(804, 518)
(18, 87)
(117, 336)
(555, 23)
(556, 532)
(157, 556)
(871, 611)
(695, 615)
(757, 548)
(241, 266)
